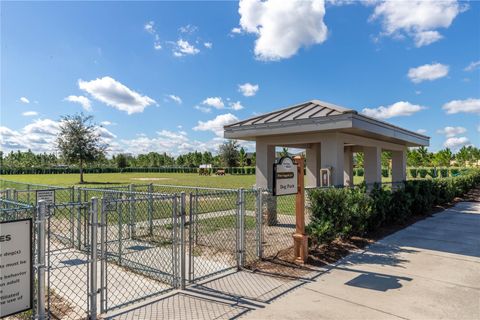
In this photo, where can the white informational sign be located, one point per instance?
(47, 195)
(15, 266)
(285, 177)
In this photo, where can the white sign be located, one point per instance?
(285, 177)
(15, 266)
(47, 195)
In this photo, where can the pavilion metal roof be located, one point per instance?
(317, 116)
(309, 110)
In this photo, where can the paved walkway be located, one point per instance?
(430, 270)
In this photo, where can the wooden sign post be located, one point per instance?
(300, 239)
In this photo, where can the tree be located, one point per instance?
(79, 141)
(284, 152)
(229, 153)
(443, 157)
(242, 157)
(359, 159)
(121, 161)
(425, 156)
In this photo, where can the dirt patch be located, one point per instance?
(150, 179)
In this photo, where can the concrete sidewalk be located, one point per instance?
(430, 270)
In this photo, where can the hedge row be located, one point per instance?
(5, 171)
(419, 172)
(354, 212)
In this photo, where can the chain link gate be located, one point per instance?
(138, 248)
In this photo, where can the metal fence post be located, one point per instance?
(174, 242)
(79, 220)
(93, 259)
(259, 223)
(120, 226)
(41, 252)
(28, 193)
(150, 209)
(182, 240)
(72, 218)
(242, 228)
(190, 241)
(103, 256)
(131, 210)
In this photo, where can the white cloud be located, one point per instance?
(107, 123)
(188, 29)
(83, 101)
(416, 18)
(236, 106)
(24, 100)
(452, 131)
(467, 106)
(150, 28)
(203, 109)
(428, 72)
(455, 143)
(236, 30)
(116, 95)
(40, 136)
(282, 27)
(422, 131)
(215, 102)
(29, 113)
(401, 108)
(208, 45)
(180, 136)
(216, 125)
(248, 89)
(424, 38)
(175, 98)
(472, 66)
(183, 47)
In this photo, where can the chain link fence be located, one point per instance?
(107, 247)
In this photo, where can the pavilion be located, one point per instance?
(330, 134)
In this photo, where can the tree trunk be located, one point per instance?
(81, 172)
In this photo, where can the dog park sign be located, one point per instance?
(15, 267)
(285, 179)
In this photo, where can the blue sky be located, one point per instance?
(165, 76)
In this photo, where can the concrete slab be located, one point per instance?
(430, 270)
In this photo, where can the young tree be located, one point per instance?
(79, 142)
(284, 152)
(229, 153)
(443, 157)
(242, 157)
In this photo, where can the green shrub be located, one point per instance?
(360, 172)
(423, 173)
(433, 172)
(454, 172)
(444, 173)
(385, 173)
(400, 204)
(413, 172)
(381, 206)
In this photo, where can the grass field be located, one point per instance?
(184, 179)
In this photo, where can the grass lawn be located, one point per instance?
(184, 179)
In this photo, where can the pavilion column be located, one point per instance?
(348, 167)
(399, 166)
(313, 165)
(265, 158)
(332, 155)
(373, 165)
